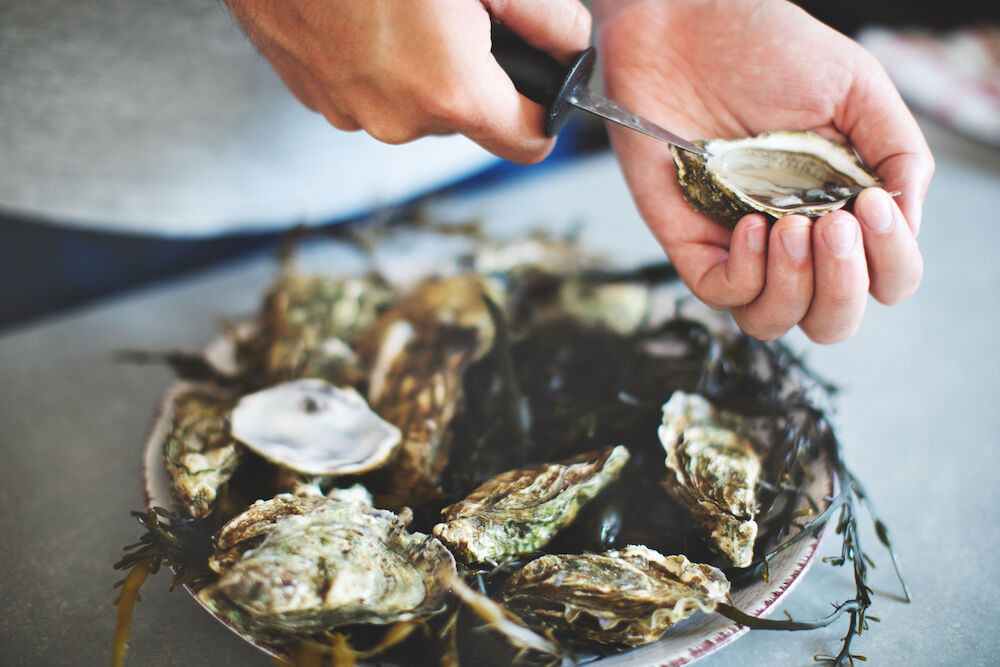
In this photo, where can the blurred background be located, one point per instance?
(145, 140)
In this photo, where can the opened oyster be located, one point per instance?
(323, 564)
(776, 173)
(519, 511)
(312, 427)
(713, 471)
(627, 597)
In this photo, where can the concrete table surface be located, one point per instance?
(917, 416)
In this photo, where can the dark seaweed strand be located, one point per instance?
(516, 404)
(191, 366)
(807, 434)
(845, 505)
(181, 543)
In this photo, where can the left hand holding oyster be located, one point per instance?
(735, 69)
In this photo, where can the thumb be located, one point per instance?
(558, 27)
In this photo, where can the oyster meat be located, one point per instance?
(519, 511)
(776, 173)
(713, 470)
(627, 597)
(199, 453)
(314, 428)
(322, 564)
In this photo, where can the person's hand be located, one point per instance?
(735, 68)
(403, 70)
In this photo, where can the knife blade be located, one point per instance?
(542, 79)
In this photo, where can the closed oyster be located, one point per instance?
(323, 564)
(519, 511)
(199, 452)
(622, 306)
(776, 173)
(417, 352)
(713, 472)
(308, 323)
(627, 597)
(249, 528)
(314, 428)
(532, 255)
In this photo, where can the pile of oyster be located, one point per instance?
(526, 422)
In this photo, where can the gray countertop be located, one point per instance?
(917, 417)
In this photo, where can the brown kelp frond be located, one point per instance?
(170, 540)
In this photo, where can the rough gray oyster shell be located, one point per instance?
(713, 470)
(776, 173)
(322, 564)
(416, 353)
(307, 323)
(198, 451)
(519, 511)
(627, 597)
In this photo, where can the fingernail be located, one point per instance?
(876, 211)
(796, 242)
(757, 238)
(840, 236)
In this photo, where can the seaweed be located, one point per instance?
(170, 540)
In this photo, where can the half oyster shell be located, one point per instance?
(627, 597)
(776, 173)
(312, 427)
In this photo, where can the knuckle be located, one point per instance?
(844, 292)
(391, 132)
(827, 336)
(337, 120)
(457, 113)
(902, 290)
(528, 153)
(760, 331)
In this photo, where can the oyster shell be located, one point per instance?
(627, 597)
(776, 173)
(519, 511)
(314, 428)
(322, 564)
(622, 307)
(524, 258)
(309, 322)
(249, 528)
(416, 353)
(713, 472)
(199, 454)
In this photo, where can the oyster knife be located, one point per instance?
(542, 79)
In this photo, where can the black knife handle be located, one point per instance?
(540, 77)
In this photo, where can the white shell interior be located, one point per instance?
(315, 428)
(772, 171)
